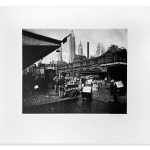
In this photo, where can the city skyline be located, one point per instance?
(107, 37)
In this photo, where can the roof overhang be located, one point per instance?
(36, 46)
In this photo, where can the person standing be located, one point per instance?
(89, 82)
(113, 91)
(61, 83)
(56, 83)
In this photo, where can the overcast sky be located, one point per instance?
(94, 36)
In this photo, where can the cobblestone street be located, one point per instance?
(50, 102)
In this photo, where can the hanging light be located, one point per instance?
(58, 50)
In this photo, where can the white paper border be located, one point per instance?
(18, 128)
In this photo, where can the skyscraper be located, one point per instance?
(100, 49)
(80, 49)
(71, 47)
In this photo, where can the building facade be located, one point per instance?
(80, 49)
(71, 47)
(113, 64)
(100, 49)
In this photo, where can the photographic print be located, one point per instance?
(74, 71)
(76, 79)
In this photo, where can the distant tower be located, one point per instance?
(60, 54)
(87, 49)
(80, 49)
(71, 47)
(100, 49)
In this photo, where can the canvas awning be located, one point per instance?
(35, 47)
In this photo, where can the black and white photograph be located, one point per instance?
(74, 71)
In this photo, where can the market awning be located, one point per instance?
(36, 46)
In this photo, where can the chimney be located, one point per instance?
(87, 49)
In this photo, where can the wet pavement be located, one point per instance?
(78, 106)
(50, 102)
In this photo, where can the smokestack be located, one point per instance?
(87, 49)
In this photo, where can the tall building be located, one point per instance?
(80, 49)
(100, 49)
(71, 47)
